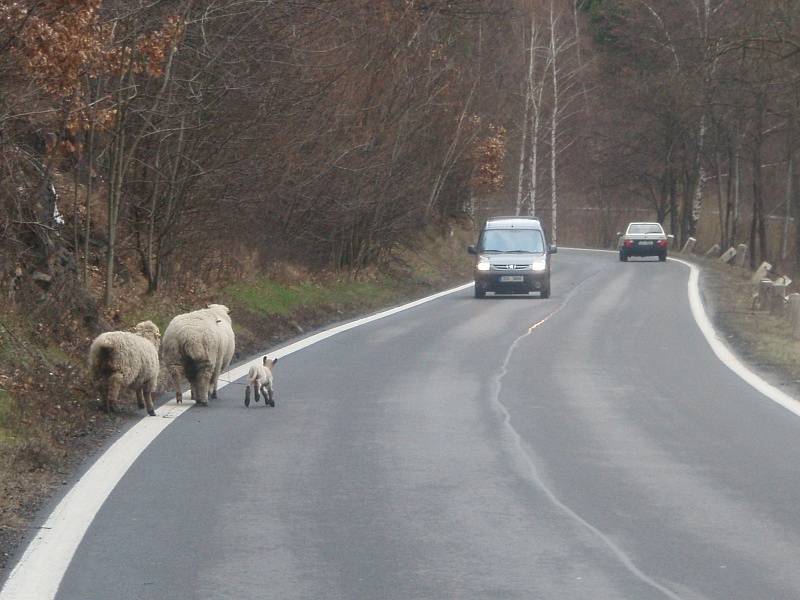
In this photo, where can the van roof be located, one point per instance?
(515, 222)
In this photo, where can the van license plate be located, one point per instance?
(510, 278)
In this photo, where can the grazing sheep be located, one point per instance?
(260, 378)
(198, 346)
(119, 359)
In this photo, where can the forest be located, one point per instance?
(180, 138)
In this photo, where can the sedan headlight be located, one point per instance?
(483, 265)
(539, 265)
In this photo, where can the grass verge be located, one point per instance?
(762, 339)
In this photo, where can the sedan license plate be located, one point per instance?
(645, 243)
(510, 278)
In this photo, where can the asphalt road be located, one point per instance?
(466, 449)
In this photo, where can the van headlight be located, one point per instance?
(483, 265)
(539, 265)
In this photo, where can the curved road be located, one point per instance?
(588, 446)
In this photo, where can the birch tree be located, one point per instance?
(564, 77)
(538, 63)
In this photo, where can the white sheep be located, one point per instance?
(119, 360)
(260, 378)
(198, 346)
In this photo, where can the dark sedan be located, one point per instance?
(643, 239)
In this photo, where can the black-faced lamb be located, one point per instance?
(198, 346)
(260, 378)
(120, 360)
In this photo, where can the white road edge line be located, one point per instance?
(38, 574)
(718, 346)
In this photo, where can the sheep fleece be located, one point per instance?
(135, 357)
(201, 338)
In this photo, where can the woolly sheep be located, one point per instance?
(119, 360)
(198, 346)
(260, 378)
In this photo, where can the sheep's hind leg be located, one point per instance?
(201, 387)
(148, 400)
(140, 398)
(213, 384)
(176, 380)
(112, 392)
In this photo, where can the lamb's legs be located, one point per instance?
(256, 392)
(140, 398)
(267, 391)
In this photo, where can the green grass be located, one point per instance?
(6, 408)
(21, 348)
(269, 297)
(760, 337)
(55, 354)
(155, 311)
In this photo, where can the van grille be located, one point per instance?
(511, 267)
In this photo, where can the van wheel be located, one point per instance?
(545, 292)
(480, 292)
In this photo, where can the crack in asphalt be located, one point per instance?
(533, 472)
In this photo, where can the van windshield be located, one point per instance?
(512, 240)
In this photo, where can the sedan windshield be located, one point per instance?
(645, 228)
(513, 240)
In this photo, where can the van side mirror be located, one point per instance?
(553, 249)
(472, 250)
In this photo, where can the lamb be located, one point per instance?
(119, 360)
(260, 378)
(198, 346)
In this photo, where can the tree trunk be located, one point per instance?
(737, 186)
(757, 229)
(699, 180)
(723, 233)
(114, 194)
(554, 132)
(533, 168)
(87, 226)
(529, 87)
(673, 204)
(788, 206)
